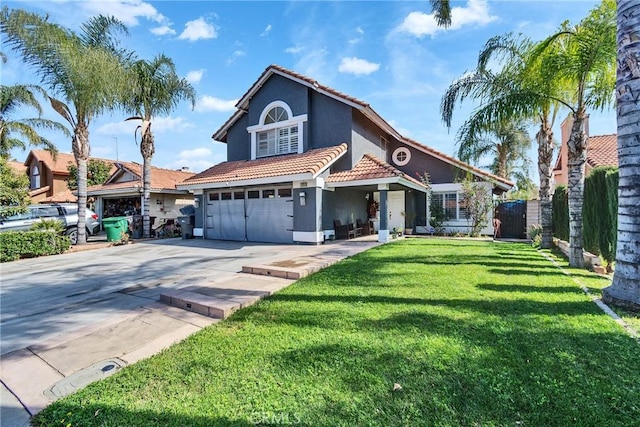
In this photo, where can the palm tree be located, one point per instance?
(518, 91)
(625, 288)
(85, 69)
(441, 12)
(14, 133)
(584, 57)
(506, 142)
(157, 89)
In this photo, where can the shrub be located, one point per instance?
(48, 225)
(535, 231)
(28, 244)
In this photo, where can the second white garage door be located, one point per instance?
(254, 215)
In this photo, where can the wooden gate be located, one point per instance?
(513, 219)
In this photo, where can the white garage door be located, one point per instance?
(254, 215)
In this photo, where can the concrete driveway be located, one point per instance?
(71, 319)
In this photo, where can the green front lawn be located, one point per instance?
(475, 334)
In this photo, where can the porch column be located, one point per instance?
(383, 232)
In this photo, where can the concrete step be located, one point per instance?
(200, 303)
(293, 269)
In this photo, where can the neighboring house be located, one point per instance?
(302, 155)
(602, 150)
(121, 194)
(48, 176)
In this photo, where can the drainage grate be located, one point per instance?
(83, 378)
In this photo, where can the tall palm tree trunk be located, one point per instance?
(544, 138)
(146, 149)
(577, 156)
(80, 146)
(625, 288)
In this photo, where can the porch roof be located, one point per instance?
(307, 165)
(372, 171)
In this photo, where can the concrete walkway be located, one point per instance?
(72, 319)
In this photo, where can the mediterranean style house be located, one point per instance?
(602, 150)
(121, 194)
(304, 160)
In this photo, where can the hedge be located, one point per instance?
(599, 213)
(29, 244)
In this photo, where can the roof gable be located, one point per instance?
(161, 179)
(363, 107)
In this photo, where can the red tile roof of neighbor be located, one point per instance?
(65, 196)
(17, 167)
(311, 162)
(603, 150)
(62, 160)
(161, 179)
(369, 168)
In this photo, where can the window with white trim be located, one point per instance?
(279, 132)
(453, 205)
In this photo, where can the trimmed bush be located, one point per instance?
(29, 244)
(560, 207)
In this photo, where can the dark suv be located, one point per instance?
(67, 213)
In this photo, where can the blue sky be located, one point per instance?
(389, 54)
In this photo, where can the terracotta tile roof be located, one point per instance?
(370, 168)
(459, 163)
(161, 179)
(59, 165)
(17, 167)
(603, 150)
(311, 162)
(66, 196)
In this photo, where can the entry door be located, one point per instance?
(395, 201)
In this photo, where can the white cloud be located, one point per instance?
(163, 30)
(266, 31)
(294, 49)
(358, 39)
(235, 55)
(210, 103)
(198, 29)
(170, 124)
(128, 11)
(197, 159)
(421, 24)
(118, 128)
(195, 76)
(158, 125)
(357, 66)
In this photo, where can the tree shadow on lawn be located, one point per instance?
(71, 413)
(518, 306)
(530, 288)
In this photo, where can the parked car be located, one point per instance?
(67, 213)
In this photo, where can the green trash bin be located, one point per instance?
(114, 227)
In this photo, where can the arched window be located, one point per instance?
(277, 114)
(35, 177)
(278, 132)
